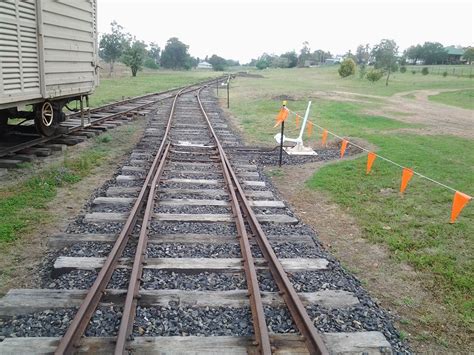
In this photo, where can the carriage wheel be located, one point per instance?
(47, 118)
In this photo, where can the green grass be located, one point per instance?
(25, 205)
(414, 226)
(113, 89)
(462, 98)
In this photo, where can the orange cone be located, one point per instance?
(297, 120)
(459, 201)
(406, 176)
(370, 160)
(324, 137)
(343, 147)
(309, 129)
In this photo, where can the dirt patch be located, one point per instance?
(283, 98)
(414, 107)
(20, 259)
(426, 321)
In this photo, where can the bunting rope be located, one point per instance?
(460, 199)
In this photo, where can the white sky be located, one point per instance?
(244, 29)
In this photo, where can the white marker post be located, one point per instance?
(299, 148)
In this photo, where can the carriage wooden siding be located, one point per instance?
(48, 49)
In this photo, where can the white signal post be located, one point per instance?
(299, 148)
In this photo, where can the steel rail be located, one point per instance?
(31, 143)
(312, 339)
(89, 305)
(262, 337)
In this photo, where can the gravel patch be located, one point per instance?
(184, 250)
(193, 227)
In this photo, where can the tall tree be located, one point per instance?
(385, 56)
(112, 45)
(292, 58)
(134, 56)
(175, 55)
(305, 54)
(469, 54)
(433, 53)
(218, 63)
(362, 55)
(414, 53)
(154, 52)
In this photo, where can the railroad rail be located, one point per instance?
(182, 169)
(98, 116)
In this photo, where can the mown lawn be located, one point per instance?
(415, 226)
(462, 98)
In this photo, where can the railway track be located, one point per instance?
(24, 144)
(190, 250)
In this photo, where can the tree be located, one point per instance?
(348, 67)
(433, 53)
(112, 45)
(154, 52)
(469, 54)
(374, 75)
(305, 54)
(320, 56)
(362, 55)
(349, 55)
(261, 64)
(385, 56)
(134, 56)
(414, 53)
(292, 58)
(175, 55)
(218, 63)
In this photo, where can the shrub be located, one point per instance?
(150, 63)
(413, 72)
(347, 68)
(362, 71)
(424, 71)
(445, 74)
(403, 69)
(374, 75)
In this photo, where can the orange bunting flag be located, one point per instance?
(324, 137)
(459, 201)
(343, 147)
(406, 176)
(309, 129)
(282, 116)
(370, 161)
(297, 120)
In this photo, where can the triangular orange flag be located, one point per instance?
(309, 128)
(324, 137)
(459, 201)
(282, 115)
(370, 160)
(406, 176)
(297, 120)
(343, 147)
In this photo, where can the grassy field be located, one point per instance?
(451, 70)
(413, 227)
(462, 98)
(120, 87)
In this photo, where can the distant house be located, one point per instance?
(336, 60)
(204, 65)
(454, 55)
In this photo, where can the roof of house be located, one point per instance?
(454, 51)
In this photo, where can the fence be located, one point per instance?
(466, 71)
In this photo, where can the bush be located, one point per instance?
(261, 64)
(413, 72)
(403, 69)
(445, 74)
(362, 71)
(374, 75)
(150, 63)
(347, 68)
(424, 71)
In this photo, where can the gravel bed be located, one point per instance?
(176, 320)
(194, 209)
(273, 210)
(286, 229)
(178, 185)
(193, 227)
(53, 323)
(110, 208)
(290, 250)
(83, 280)
(209, 168)
(184, 250)
(202, 281)
(96, 249)
(197, 196)
(79, 226)
(176, 174)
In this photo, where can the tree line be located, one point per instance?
(121, 46)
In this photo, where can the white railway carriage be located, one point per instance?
(48, 58)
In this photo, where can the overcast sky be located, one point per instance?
(244, 29)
